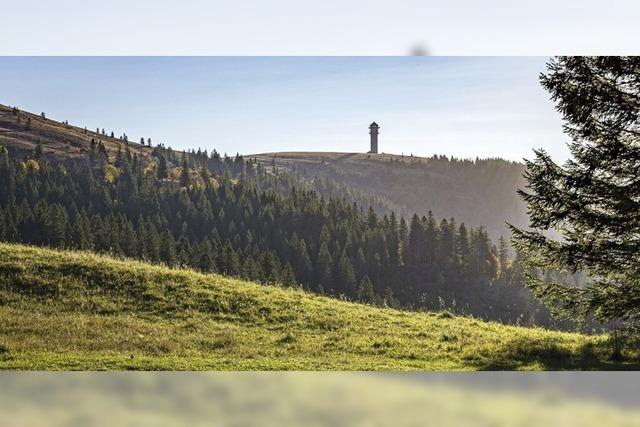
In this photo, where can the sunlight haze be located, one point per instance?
(462, 107)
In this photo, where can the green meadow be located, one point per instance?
(68, 310)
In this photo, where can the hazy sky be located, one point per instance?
(466, 107)
(328, 27)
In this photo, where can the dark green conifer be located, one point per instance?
(593, 199)
(162, 172)
(184, 173)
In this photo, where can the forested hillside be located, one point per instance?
(238, 218)
(476, 192)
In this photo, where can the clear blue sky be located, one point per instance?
(466, 107)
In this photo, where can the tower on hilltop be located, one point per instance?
(373, 131)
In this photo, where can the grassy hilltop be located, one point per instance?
(76, 310)
(59, 139)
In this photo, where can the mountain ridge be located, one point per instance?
(478, 192)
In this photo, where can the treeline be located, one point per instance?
(479, 191)
(226, 215)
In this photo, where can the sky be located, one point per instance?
(465, 107)
(328, 27)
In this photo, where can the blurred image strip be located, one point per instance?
(316, 399)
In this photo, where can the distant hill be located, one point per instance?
(20, 131)
(77, 310)
(476, 192)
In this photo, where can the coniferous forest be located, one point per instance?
(240, 218)
(474, 191)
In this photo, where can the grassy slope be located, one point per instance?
(76, 310)
(58, 139)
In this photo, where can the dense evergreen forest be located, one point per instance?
(240, 218)
(474, 191)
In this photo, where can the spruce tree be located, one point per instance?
(365, 291)
(168, 249)
(162, 172)
(184, 174)
(152, 242)
(323, 268)
(416, 252)
(270, 267)
(503, 258)
(593, 199)
(431, 235)
(288, 277)
(345, 279)
(463, 254)
(249, 269)
(303, 262)
(403, 245)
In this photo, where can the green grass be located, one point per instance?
(77, 310)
